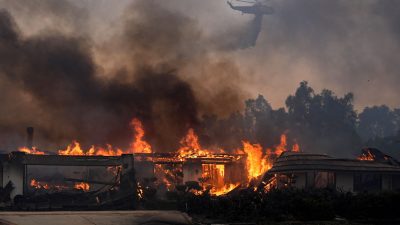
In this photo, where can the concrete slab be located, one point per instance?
(95, 218)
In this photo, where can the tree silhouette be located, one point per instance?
(377, 121)
(323, 122)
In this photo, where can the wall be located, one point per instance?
(300, 180)
(14, 172)
(191, 171)
(386, 182)
(144, 169)
(235, 173)
(344, 181)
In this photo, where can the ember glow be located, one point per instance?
(39, 185)
(296, 148)
(47, 186)
(58, 187)
(366, 156)
(225, 189)
(140, 192)
(82, 186)
(165, 176)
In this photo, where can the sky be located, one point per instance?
(341, 45)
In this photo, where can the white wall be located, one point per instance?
(15, 173)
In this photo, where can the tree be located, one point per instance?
(264, 125)
(299, 104)
(323, 122)
(378, 121)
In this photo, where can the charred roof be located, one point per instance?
(301, 161)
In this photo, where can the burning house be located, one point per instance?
(32, 172)
(74, 181)
(111, 176)
(220, 172)
(372, 171)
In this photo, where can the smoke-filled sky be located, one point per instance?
(88, 66)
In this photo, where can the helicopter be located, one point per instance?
(258, 8)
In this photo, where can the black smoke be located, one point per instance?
(57, 72)
(154, 66)
(156, 63)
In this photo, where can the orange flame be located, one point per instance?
(39, 185)
(33, 151)
(75, 149)
(191, 147)
(140, 191)
(296, 148)
(109, 151)
(366, 156)
(82, 186)
(257, 164)
(213, 175)
(225, 189)
(44, 185)
(163, 174)
(282, 146)
(139, 145)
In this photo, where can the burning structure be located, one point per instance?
(97, 170)
(372, 171)
(216, 171)
(17, 169)
(111, 176)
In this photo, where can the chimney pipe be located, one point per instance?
(29, 141)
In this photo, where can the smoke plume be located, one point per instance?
(83, 69)
(68, 93)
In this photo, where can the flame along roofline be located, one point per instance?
(173, 158)
(98, 160)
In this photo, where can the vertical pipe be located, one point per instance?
(29, 141)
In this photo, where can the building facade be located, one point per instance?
(305, 170)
